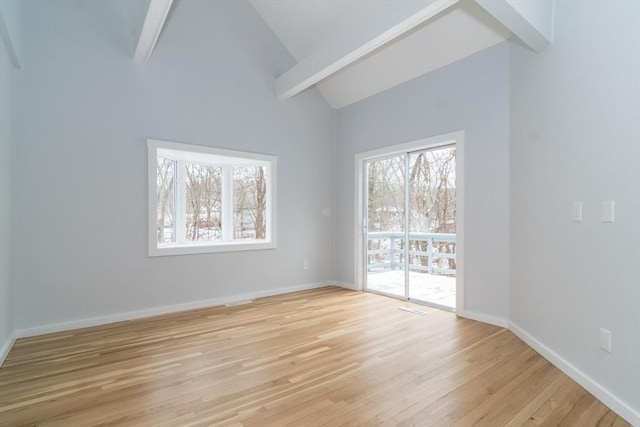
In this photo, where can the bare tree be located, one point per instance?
(431, 176)
(386, 210)
(164, 199)
(432, 199)
(203, 188)
(203, 202)
(261, 204)
(250, 202)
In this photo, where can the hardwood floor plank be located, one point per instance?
(526, 412)
(607, 421)
(552, 412)
(327, 357)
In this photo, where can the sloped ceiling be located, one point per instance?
(306, 26)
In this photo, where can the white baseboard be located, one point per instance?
(121, 317)
(621, 408)
(6, 346)
(618, 406)
(346, 285)
(484, 318)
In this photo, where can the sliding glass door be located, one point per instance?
(410, 226)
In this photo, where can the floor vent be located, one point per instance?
(413, 310)
(233, 304)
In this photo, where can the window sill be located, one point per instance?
(203, 248)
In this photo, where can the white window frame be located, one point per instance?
(197, 153)
(456, 138)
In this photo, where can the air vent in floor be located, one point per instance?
(413, 310)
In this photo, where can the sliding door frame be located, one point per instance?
(361, 159)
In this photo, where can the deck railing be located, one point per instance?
(391, 256)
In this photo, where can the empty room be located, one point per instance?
(320, 212)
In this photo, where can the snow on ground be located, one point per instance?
(431, 288)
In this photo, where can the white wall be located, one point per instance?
(470, 95)
(7, 75)
(575, 137)
(84, 113)
(12, 18)
(11, 13)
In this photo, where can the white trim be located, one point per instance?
(358, 275)
(484, 318)
(226, 198)
(407, 225)
(600, 392)
(269, 161)
(180, 194)
(621, 408)
(346, 285)
(152, 190)
(460, 223)
(153, 22)
(211, 247)
(456, 138)
(204, 149)
(121, 317)
(8, 345)
(271, 175)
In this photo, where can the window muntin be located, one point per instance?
(205, 199)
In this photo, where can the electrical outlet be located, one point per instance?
(305, 264)
(605, 340)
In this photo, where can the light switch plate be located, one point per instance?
(576, 212)
(608, 211)
(605, 340)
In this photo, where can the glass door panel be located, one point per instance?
(432, 226)
(385, 229)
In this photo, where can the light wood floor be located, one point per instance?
(324, 357)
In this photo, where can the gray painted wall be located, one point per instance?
(575, 133)
(84, 114)
(470, 95)
(6, 199)
(84, 110)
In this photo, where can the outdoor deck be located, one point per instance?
(432, 281)
(435, 289)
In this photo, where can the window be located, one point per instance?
(204, 199)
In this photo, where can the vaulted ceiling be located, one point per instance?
(305, 27)
(352, 49)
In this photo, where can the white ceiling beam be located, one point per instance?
(151, 29)
(335, 57)
(530, 21)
